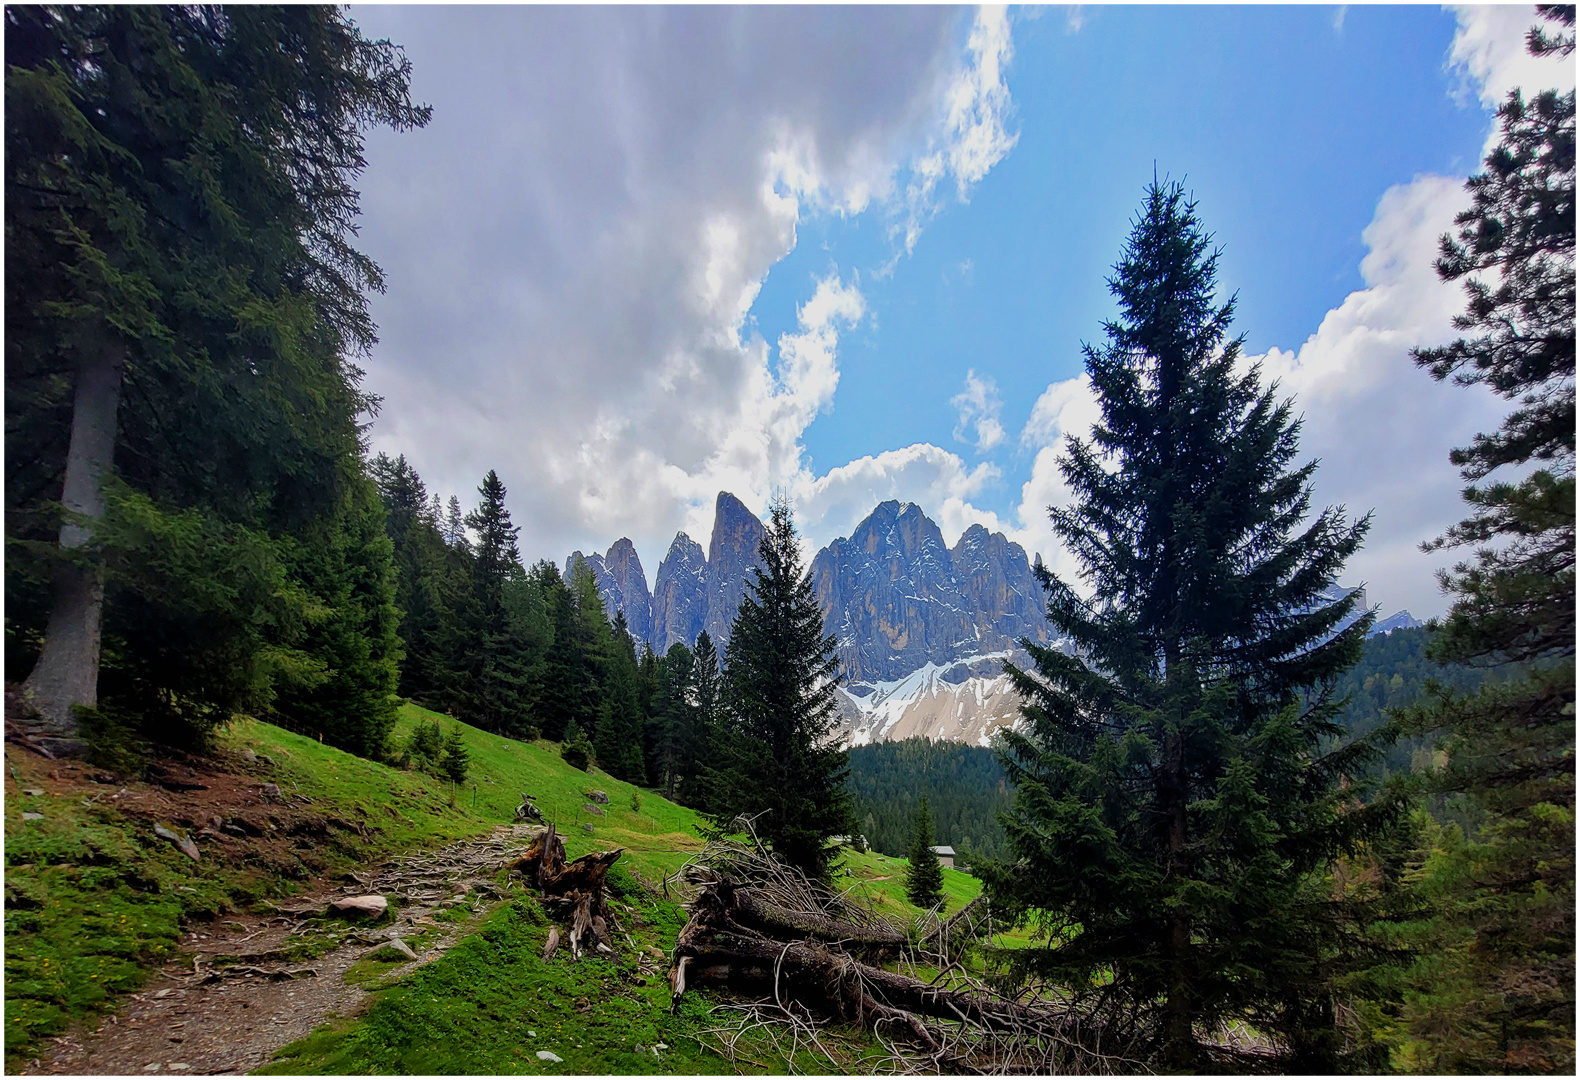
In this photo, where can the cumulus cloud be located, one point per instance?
(1489, 55)
(572, 246)
(1380, 427)
(978, 407)
(831, 505)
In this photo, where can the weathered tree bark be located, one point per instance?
(67, 671)
(756, 912)
(571, 890)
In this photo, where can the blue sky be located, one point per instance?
(642, 255)
(1286, 124)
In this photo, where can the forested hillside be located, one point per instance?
(964, 787)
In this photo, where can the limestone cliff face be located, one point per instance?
(900, 602)
(897, 598)
(622, 586)
(998, 583)
(680, 595)
(629, 590)
(732, 556)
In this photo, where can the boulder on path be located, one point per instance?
(371, 905)
(598, 796)
(593, 808)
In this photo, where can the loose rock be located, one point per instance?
(32, 791)
(598, 796)
(188, 848)
(593, 808)
(392, 949)
(28, 815)
(359, 905)
(585, 828)
(549, 1055)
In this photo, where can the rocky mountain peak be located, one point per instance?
(680, 595)
(732, 555)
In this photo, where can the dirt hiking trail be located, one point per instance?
(245, 992)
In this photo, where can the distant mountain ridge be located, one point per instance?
(922, 628)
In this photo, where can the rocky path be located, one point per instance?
(246, 991)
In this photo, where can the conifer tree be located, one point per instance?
(1495, 988)
(618, 743)
(1179, 783)
(699, 746)
(924, 875)
(347, 561)
(673, 717)
(780, 761)
(455, 760)
(511, 629)
(180, 348)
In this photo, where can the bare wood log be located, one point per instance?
(765, 914)
(553, 942)
(747, 961)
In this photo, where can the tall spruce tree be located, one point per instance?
(1177, 805)
(181, 332)
(780, 760)
(699, 747)
(1495, 989)
(618, 743)
(924, 876)
(672, 718)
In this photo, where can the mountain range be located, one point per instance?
(922, 628)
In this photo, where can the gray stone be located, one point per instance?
(29, 815)
(593, 808)
(587, 827)
(599, 796)
(57, 747)
(393, 949)
(33, 791)
(549, 1055)
(180, 840)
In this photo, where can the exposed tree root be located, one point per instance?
(571, 891)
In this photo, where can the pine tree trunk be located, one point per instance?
(67, 672)
(1181, 1042)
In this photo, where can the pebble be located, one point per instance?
(545, 1055)
(179, 1065)
(152, 1066)
(532, 1033)
(29, 815)
(33, 791)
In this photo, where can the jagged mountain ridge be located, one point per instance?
(893, 593)
(922, 628)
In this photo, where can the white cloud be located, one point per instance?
(974, 136)
(573, 244)
(978, 406)
(1488, 52)
(832, 505)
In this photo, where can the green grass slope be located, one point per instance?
(94, 900)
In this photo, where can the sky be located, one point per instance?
(641, 255)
